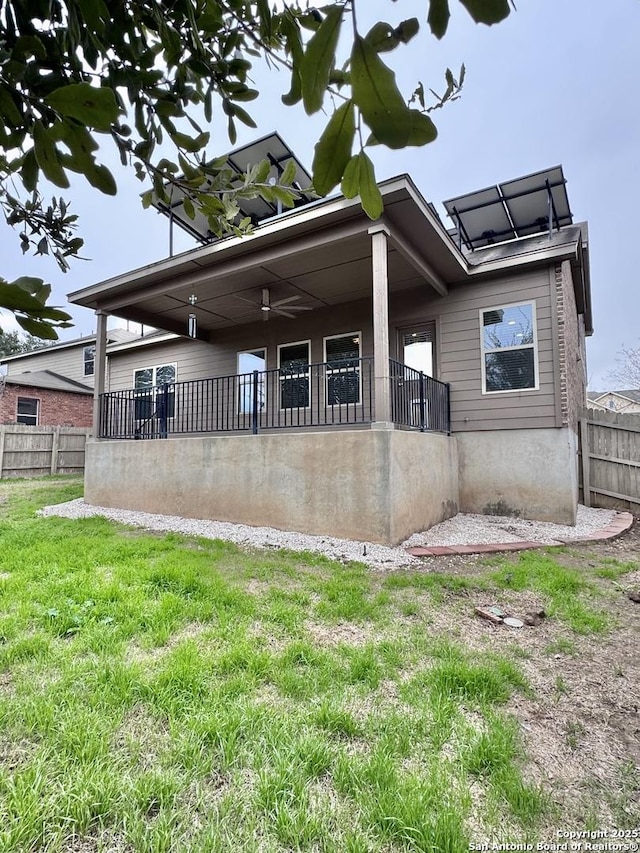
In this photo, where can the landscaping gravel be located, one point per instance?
(463, 529)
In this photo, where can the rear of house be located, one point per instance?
(348, 378)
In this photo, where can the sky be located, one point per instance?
(553, 84)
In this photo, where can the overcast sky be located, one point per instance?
(553, 84)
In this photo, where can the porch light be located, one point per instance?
(265, 308)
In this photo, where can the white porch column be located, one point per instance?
(379, 234)
(100, 359)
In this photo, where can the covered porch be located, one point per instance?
(319, 439)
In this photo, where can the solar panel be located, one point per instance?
(527, 201)
(517, 208)
(481, 216)
(271, 148)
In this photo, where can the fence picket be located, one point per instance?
(610, 459)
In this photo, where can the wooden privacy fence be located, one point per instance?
(30, 451)
(610, 459)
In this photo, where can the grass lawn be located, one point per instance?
(161, 693)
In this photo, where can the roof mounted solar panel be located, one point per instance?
(517, 208)
(480, 217)
(271, 148)
(527, 201)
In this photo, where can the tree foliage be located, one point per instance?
(626, 373)
(13, 343)
(138, 74)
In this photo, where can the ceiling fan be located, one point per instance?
(267, 306)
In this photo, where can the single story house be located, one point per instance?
(353, 378)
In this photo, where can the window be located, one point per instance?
(342, 356)
(89, 360)
(150, 399)
(293, 363)
(247, 363)
(27, 411)
(509, 359)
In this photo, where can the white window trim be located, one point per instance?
(534, 346)
(329, 373)
(154, 368)
(37, 415)
(264, 379)
(299, 376)
(93, 360)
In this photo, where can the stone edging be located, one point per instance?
(616, 527)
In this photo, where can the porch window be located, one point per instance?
(247, 363)
(342, 357)
(89, 360)
(149, 399)
(27, 411)
(293, 364)
(509, 348)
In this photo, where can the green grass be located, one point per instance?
(161, 693)
(568, 593)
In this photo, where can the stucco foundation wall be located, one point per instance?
(532, 473)
(373, 485)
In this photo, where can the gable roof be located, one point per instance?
(632, 395)
(113, 336)
(48, 380)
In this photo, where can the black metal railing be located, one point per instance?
(418, 401)
(337, 393)
(306, 395)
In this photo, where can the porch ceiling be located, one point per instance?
(321, 255)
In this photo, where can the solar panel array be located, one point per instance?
(271, 148)
(517, 208)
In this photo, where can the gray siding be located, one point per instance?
(458, 353)
(67, 361)
(198, 360)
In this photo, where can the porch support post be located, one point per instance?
(381, 373)
(99, 371)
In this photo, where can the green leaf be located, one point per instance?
(47, 157)
(487, 11)
(407, 30)
(37, 328)
(318, 60)
(244, 116)
(359, 179)
(29, 171)
(376, 93)
(423, 130)
(381, 37)
(8, 109)
(289, 174)
(370, 196)
(92, 106)
(333, 149)
(188, 207)
(101, 178)
(187, 143)
(350, 186)
(438, 18)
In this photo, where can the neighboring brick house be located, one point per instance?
(44, 398)
(52, 386)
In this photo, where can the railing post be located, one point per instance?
(422, 417)
(164, 410)
(254, 406)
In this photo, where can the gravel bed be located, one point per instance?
(470, 529)
(463, 529)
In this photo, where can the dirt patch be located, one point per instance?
(581, 725)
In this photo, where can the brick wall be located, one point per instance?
(57, 408)
(571, 344)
